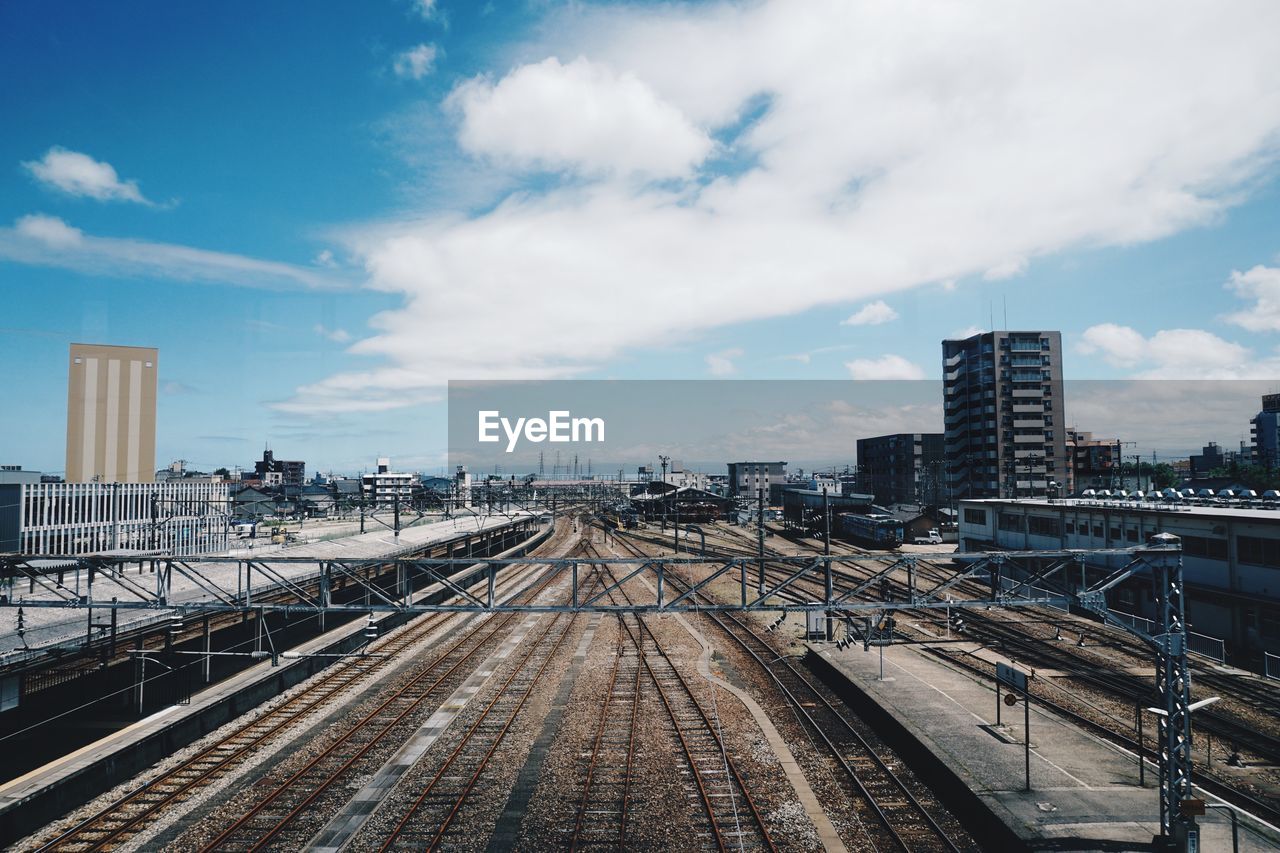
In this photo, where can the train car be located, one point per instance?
(875, 530)
(621, 519)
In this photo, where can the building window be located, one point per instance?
(1040, 526)
(1010, 522)
(975, 516)
(1097, 531)
(1253, 550)
(1212, 549)
(1131, 534)
(1115, 532)
(1069, 527)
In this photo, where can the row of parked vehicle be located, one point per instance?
(1195, 497)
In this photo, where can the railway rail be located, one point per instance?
(893, 814)
(734, 819)
(1127, 690)
(118, 822)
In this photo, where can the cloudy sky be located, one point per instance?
(322, 212)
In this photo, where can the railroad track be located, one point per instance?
(893, 816)
(273, 818)
(602, 812)
(1112, 685)
(734, 819)
(1125, 688)
(433, 812)
(118, 822)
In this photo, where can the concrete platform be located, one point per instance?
(1084, 791)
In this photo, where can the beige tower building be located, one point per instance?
(111, 414)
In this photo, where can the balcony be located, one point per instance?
(1036, 423)
(1028, 392)
(1028, 439)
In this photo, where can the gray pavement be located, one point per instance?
(1084, 791)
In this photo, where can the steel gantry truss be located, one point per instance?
(839, 586)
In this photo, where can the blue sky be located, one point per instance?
(386, 196)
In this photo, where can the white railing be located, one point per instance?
(1210, 647)
(1033, 592)
(1140, 622)
(1201, 644)
(1272, 668)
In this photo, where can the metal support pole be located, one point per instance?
(204, 633)
(1142, 748)
(760, 535)
(1173, 683)
(1026, 733)
(826, 552)
(141, 671)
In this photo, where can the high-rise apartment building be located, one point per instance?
(111, 414)
(1265, 433)
(1003, 414)
(902, 468)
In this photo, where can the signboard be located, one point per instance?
(1010, 677)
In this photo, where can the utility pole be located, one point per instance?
(826, 552)
(760, 533)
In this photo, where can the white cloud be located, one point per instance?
(871, 314)
(416, 62)
(1006, 269)
(338, 336)
(582, 116)
(892, 146)
(1121, 346)
(966, 332)
(1262, 285)
(885, 367)
(1176, 354)
(425, 8)
(325, 259)
(80, 175)
(721, 363)
(48, 241)
(49, 230)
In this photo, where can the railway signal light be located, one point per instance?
(370, 630)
